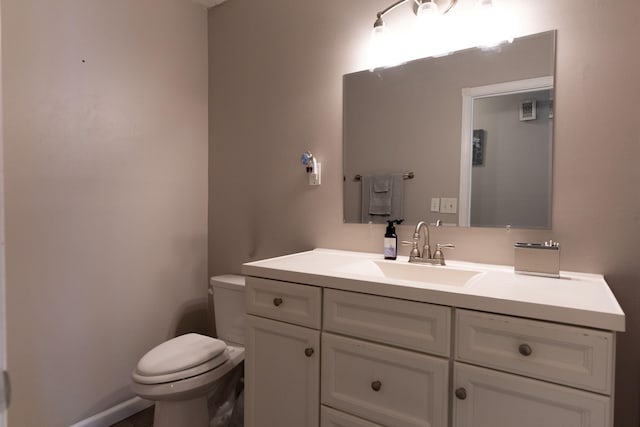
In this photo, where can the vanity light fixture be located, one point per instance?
(428, 13)
(424, 10)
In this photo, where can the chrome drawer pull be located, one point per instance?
(376, 385)
(277, 302)
(308, 352)
(461, 393)
(525, 350)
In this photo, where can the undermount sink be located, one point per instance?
(437, 275)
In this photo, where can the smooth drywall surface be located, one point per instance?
(105, 113)
(276, 90)
(512, 183)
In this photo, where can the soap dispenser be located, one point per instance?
(391, 240)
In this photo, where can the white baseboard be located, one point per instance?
(115, 413)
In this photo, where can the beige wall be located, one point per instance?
(276, 90)
(105, 113)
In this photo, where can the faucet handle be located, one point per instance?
(438, 253)
(414, 249)
(444, 245)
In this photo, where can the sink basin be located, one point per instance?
(424, 273)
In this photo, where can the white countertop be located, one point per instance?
(575, 298)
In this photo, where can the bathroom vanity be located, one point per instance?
(347, 339)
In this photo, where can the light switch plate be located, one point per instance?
(448, 205)
(435, 204)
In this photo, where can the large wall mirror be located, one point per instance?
(464, 139)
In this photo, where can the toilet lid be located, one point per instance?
(179, 354)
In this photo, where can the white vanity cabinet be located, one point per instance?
(282, 359)
(333, 418)
(564, 373)
(499, 350)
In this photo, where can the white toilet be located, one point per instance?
(180, 374)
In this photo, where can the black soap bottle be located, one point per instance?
(391, 240)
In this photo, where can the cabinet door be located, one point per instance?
(487, 398)
(282, 374)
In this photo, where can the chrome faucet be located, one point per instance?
(425, 256)
(426, 248)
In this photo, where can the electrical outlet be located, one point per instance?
(448, 205)
(435, 204)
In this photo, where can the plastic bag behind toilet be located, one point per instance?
(222, 404)
(237, 417)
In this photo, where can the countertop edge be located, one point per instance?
(560, 314)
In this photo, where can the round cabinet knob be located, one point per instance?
(461, 393)
(308, 352)
(277, 302)
(525, 349)
(376, 385)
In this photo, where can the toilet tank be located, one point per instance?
(227, 292)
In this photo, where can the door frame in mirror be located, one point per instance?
(468, 96)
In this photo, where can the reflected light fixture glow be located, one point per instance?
(492, 34)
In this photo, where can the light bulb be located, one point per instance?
(379, 46)
(378, 33)
(428, 10)
(383, 51)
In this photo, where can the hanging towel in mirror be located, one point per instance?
(381, 183)
(396, 193)
(380, 192)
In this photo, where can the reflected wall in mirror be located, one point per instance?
(409, 118)
(505, 173)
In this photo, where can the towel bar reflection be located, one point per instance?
(408, 175)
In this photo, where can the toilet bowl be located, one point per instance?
(182, 373)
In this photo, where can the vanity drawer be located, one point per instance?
(382, 384)
(289, 302)
(329, 417)
(562, 354)
(414, 325)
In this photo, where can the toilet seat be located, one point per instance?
(181, 357)
(186, 388)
